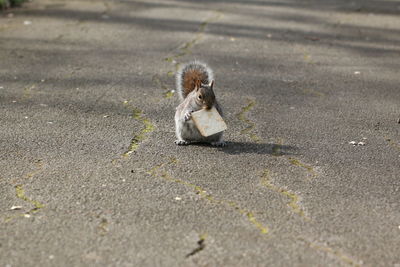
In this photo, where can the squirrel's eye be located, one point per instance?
(200, 97)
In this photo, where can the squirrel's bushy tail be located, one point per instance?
(191, 74)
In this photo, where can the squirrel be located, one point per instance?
(194, 83)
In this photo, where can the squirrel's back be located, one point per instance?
(191, 75)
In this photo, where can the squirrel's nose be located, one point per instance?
(207, 105)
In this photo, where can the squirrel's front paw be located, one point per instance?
(188, 115)
(181, 142)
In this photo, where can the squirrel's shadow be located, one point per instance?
(235, 148)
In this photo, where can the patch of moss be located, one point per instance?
(148, 127)
(20, 192)
(294, 202)
(155, 171)
(298, 163)
(169, 94)
(251, 125)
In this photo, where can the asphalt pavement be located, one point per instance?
(90, 174)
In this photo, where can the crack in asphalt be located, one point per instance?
(294, 202)
(330, 251)
(137, 114)
(298, 163)
(155, 171)
(160, 84)
(277, 151)
(20, 193)
(251, 125)
(28, 92)
(185, 49)
(102, 227)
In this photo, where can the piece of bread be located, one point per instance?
(208, 122)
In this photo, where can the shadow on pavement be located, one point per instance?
(236, 148)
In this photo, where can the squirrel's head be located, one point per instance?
(205, 95)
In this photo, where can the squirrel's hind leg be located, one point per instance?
(220, 142)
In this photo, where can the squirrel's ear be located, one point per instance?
(211, 84)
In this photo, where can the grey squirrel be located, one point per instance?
(194, 84)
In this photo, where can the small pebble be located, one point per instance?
(16, 208)
(27, 215)
(178, 198)
(27, 22)
(357, 72)
(354, 143)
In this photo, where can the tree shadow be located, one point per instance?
(362, 39)
(237, 148)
